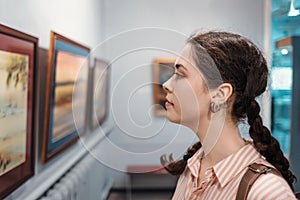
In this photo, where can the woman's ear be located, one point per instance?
(222, 93)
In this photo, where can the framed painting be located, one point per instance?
(18, 59)
(67, 73)
(163, 69)
(101, 78)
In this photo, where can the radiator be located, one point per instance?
(86, 180)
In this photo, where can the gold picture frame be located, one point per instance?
(66, 60)
(163, 69)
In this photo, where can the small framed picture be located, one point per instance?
(67, 73)
(100, 79)
(18, 60)
(163, 69)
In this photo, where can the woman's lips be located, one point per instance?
(168, 103)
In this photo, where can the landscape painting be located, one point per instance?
(66, 94)
(67, 68)
(13, 109)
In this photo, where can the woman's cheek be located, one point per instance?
(188, 102)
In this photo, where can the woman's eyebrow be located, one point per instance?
(177, 66)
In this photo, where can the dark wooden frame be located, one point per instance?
(96, 119)
(63, 143)
(159, 95)
(15, 41)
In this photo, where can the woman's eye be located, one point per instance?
(178, 75)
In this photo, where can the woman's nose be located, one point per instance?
(167, 86)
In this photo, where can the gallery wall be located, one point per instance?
(138, 31)
(81, 21)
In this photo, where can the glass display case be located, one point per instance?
(285, 91)
(281, 86)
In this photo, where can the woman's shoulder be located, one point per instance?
(271, 186)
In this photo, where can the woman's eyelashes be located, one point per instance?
(178, 75)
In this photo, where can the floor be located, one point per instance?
(141, 195)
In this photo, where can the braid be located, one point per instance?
(177, 167)
(266, 144)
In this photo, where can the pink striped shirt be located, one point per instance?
(222, 180)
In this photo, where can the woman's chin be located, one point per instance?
(173, 118)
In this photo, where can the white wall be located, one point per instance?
(79, 19)
(242, 16)
(139, 136)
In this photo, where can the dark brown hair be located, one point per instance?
(240, 63)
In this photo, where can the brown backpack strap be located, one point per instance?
(297, 194)
(252, 174)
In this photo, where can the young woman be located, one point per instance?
(216, 80)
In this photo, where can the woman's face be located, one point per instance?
(187, 97)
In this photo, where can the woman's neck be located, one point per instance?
(220, 142)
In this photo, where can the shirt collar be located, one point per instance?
(232, 165)
(229, 167)
(194, 162)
